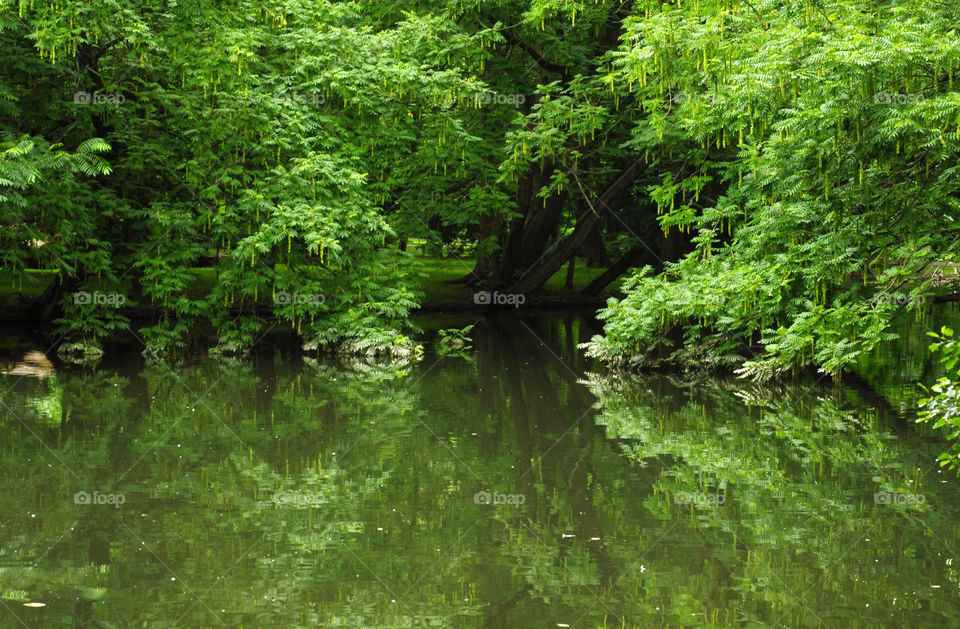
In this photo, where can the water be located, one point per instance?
(514, 486)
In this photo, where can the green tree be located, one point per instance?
(259, 140)
(942, 404)
(833, 130)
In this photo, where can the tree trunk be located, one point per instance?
(539, 228)
(489, 228)
(47, 306)
(675, 245)
(551, 262)
(528, 234)
(595, 249)
(628, 260)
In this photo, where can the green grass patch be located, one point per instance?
(439, 291)
(17, 290)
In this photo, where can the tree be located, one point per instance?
(833, 128)
(257, 138)
(941, 406)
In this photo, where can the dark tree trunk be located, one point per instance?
(595, 249)
(675, 245)
(628, 260)
(526, 237)
(528, 234)
(87, 62)
(539, 228)
(489, 228)
(47, 306)
(551, 262)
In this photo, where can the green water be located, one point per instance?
(279, 492)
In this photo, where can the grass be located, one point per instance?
(440, 291)
(17, 289)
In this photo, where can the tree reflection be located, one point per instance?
(284, 492)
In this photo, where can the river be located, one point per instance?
(514, 485)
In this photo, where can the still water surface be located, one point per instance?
(513, 486)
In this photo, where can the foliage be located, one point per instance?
(942, 404)
(832, 132)
(80, 352)
(787, 171)
(257, 137)
(454, 341)
(293, 148)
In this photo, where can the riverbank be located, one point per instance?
(21, 293)
(442, 291)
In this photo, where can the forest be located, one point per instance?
(750, 193)
(775, 181)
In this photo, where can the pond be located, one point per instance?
(515, 485)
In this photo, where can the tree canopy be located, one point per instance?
(834, 129)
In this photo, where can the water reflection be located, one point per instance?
(33, 363)
(511, 489)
